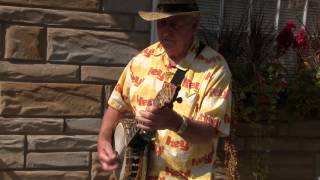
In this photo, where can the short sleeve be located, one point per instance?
(216, 105)
(119, 98)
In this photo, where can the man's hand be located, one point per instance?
(155, 118)
(107, 156)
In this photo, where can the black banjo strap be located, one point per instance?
(178, 78)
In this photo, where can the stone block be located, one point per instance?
(100, 74)
(45, 99)
(93, 47)
(82, 125)
(38, 72)
(244, 129)
(89, 5)
(97, 173)
(65, 18)
(317, 165)
(132, 6)
(308, 144)
(45, 174)
(291, 173)
(283, 161)
(305, 128)
(25, 42)
(30, 125)
(57, 160)
(11, 151)
(62, 142)
(282, 129)
(245, 165)
(289, 159)
(1, 40)
(286, 144)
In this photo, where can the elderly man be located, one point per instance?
(186, 134)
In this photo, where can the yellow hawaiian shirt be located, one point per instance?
(206, 94)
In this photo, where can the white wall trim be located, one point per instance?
(153, 34)
(277, 17)
(305, 13)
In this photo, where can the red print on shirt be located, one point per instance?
(144, 102)
(176, 173)
(158, 73)
(187, 83)
(218, 92)
(148, 52)
(215, 122)
(181, 144)
(208, 76)
(206, 60)
(118, 88)
(206, 159)
(136, 80)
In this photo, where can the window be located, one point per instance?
(276, 12)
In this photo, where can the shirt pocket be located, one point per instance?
(189, 101)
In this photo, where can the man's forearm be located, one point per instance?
(198, 132)
(110, 118)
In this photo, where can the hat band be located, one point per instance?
(171, 8)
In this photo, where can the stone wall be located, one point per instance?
(59, 60)
(294, 148)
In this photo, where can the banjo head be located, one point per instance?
(120, 142)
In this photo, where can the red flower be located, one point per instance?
(281, 84)
(286, 36)
(301, 39)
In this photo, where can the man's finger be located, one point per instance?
(107, 158)
(109, 151)
(152, 109)
(147, 115)
(108, 167)
(144, 121)
(146, 128)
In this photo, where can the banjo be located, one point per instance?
(133, 144)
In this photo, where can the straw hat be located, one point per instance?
(169, 8)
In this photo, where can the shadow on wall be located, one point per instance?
(7, 174)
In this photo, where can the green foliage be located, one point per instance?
(260, 88)
(304, 91)
(304, 94)
(259, 81)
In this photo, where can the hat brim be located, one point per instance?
(153, 16)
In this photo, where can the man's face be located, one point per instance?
(176, 34)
